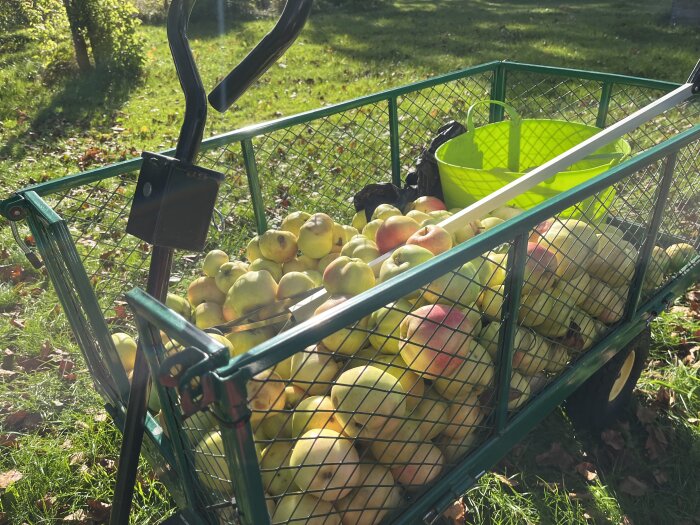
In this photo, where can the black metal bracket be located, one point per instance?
(173, 202)
(694, 78)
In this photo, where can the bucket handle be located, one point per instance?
(513, 134)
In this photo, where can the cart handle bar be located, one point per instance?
(305, 309)
(268, 50)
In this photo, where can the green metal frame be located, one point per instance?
(82, 308)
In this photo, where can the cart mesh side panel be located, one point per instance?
(422, 112)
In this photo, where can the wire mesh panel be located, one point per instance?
(422, 112)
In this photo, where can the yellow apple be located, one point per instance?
(253, 249)
(370, 229)
(313, 371)
(275, 470)
(228, 274)
(244, 341)
(207, 315)
(213, 261)
(252, 290)
(348, 276)
(278, 245)
(126, 349)
(316, 236)
(375, 495)
(294, 221)
(384, 211)
(346, 341)
(204, 290)
(265, 394)
(359, 220)
(314, 412)
(263, 264)
(326, 463)
(179, 305)
(293, 283)
(304, 509)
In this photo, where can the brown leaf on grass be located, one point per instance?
(646, 415)
(694, 300)
(503, 479)
(9, 477)
(665, 398)
(556, 456)
(22, 420)
(7, 375)
(660, 477)
(613, 439)
(656, 442)
(99, 510)
(77, 459)
(46, 503)
(65, 366)
(634, 487)
(9, 440)
(79, 516)
(626, 520)
(455, 513)
(17, 323)
(587, 470)
(8, 359)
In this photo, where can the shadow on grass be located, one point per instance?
(80, 104)
(639, 478)
(577, 35)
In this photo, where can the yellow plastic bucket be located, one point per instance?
(482, 160)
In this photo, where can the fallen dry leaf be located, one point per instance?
(99, 511)
(634, 487)
(556, 456)
(660, 477)
(665, 397)
(455, 513)
(22, 420)
(587, 470)
(613, 439)
(79, 516)
(646, 415)
(9, 477)
(656, 442)
(17, 323)
(46, 503)
(626, 521)
(9, 440)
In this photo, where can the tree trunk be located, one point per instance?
(81, 52)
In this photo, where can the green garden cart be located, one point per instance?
(212, 445)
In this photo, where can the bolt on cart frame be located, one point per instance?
(318, 160)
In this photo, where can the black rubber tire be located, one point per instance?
(589, 407)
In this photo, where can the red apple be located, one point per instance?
(427, 204)
(433, 238)
(435, 339)
(394, 231)
(540, 268)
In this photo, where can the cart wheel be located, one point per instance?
(599, 401)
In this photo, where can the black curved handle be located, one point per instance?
(195, 96)
(270, 48)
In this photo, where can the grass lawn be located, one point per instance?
(53, 430)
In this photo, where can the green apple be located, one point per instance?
(384, 211)
(294, 221)
(326, 463)
(228, 274)
(359, 220)
(680, 254)
(431, 414)
(384, 325)
(272, 267)
(293, 283)
(475, 373)
(244, 341)
(278, 245)
(204, 290)
(275, 470)
(313, 371)
(301, 263)
(265, 394)
(207, 315)
(370, 229)
(211, 465)
(253, 249)
(460, 286)
(316, 236)
(252, 290)
(314, 412)
(366, 397)
(507, 212)
(573, 242)
(402, 259)
(348, 276)
(361, 247)
(180, 305)
(213, 261)
(375, 495)
(348, 340)
(304, 509)
(126, 349)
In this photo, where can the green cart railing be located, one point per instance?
(317, 161)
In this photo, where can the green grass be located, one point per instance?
(53, 123)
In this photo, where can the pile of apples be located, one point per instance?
(376, 409)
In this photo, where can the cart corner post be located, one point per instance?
(233, 413)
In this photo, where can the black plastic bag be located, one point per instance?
(421, 180)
